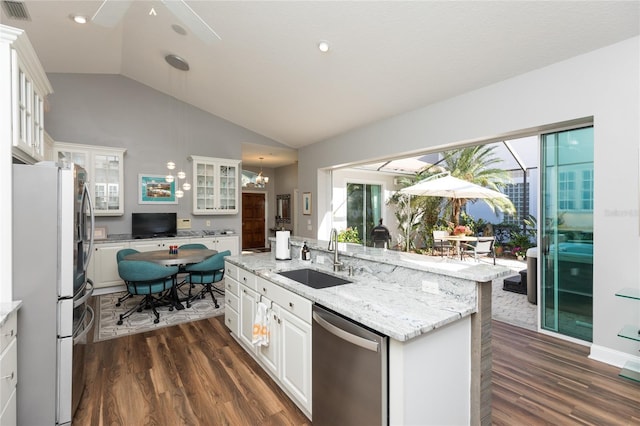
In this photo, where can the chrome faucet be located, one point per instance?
(333, 245)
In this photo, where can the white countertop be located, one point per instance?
(7, 309)
(386, 292)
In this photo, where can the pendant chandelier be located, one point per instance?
(182, 65)
(261, 179)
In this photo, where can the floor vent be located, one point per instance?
(16, 10)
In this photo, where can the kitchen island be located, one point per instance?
(436, 312)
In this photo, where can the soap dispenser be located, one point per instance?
(305, 253)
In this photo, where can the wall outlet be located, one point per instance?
(320, 260)
(208, 223)
(430, 287)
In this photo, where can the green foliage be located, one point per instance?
(476, 164)
(349, 235)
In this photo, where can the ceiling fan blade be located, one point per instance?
(110, 12)
(192, 20)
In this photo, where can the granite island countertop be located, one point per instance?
(7, 308)
(398, 294)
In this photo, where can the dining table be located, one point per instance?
(458, 239)
(167, 258)
(179, 257)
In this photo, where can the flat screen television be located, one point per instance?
(149, 225)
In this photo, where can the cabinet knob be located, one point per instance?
(10, 376)
(244, 279)
(264, 290)
(291, 304)
(9, 334)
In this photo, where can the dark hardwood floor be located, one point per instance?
(196, 374)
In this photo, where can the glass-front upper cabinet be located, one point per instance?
(105, 166)
(28, 87)
(215, 185)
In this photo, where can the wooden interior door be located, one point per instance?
(253, 223)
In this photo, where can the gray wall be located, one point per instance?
(112, 110)
(602, 84)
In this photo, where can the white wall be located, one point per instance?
(602, 84)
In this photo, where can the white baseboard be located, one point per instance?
(107, 290)
(611, 357)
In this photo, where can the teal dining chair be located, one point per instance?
(193, 246)
(147, 279)
(120, 255)
(206, 273)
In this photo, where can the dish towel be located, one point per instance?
(261, 326)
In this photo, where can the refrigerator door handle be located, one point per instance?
(88, 291)
(78, 337)
(86, 196)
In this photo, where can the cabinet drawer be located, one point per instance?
(232, 301)
(8, 373)
(231, 270)
(231, 285)
(231, 320)
(247, 278)
(297, 305)
(8, 331)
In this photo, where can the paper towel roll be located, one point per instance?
(283, 250)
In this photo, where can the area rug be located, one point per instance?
(108, 315)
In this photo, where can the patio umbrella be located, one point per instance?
(448, 186)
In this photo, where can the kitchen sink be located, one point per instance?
(313, 278)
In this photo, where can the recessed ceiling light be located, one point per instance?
(79, 19)
(323, 45)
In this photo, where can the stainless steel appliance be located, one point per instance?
(349, 373)
(52, 243)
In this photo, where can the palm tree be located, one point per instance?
(475, 164)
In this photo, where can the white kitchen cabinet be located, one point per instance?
(105, 166)
(270, 354)
(8, 369)
(220, 243)
(287, 358)
(27, 87)
(216, 183)
(248, 301)
(153, 244)
(103, 267)
(232, 304)
(292, 330)
(295, 369)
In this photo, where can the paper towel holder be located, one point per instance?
(283, 251)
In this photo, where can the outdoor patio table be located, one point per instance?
(458, 238)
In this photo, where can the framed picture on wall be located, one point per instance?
(154, 189)
(306, 203)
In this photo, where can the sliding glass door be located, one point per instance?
(364, 208)
(566, 228)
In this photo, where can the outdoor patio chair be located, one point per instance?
(482, 246)
(441, 244)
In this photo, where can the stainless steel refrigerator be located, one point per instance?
(52, 243)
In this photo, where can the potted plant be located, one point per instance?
(462, 230)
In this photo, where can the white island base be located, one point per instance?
(429, 377)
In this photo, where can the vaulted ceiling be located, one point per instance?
(265, 72)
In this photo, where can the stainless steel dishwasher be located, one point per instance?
(349, 372)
